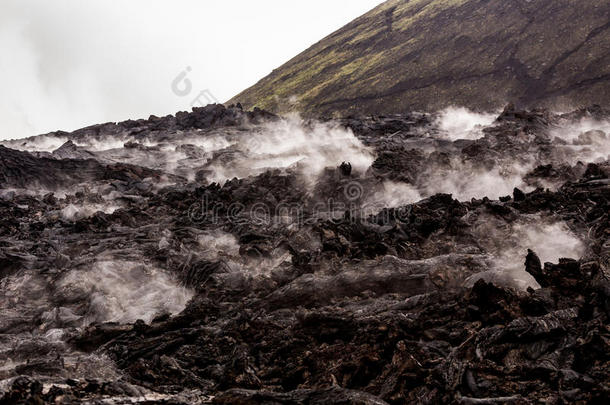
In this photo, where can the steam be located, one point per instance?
(571, 131)
(38, 313)
(75, 212)
(109, 142)
(308, 147)
(588, 140)
(392, 194)
(464, 181)
(41, 143)
(292, 142)
(221, 246)
(217, 243)
(210, 141)
(124, 291)
(562, 242)
(461, 123)
(508, 243)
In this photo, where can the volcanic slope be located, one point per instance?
(428, 54)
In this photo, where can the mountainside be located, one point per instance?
(428, 54)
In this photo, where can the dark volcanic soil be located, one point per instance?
(238, 258)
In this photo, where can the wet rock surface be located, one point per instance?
(233, 257)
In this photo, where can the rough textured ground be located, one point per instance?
(424, 55)
(380, 260)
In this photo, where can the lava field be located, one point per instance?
(237, 257)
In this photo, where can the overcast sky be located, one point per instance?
(66, 64)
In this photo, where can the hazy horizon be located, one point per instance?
(73, 64)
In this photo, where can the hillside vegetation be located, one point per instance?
(427, 54)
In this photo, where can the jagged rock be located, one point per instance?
(23, 390)
(276, 300)
(21, 169)
(70, 151)
(334, 395)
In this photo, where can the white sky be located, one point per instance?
(66, 64)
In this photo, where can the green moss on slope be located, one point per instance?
(426, 54)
